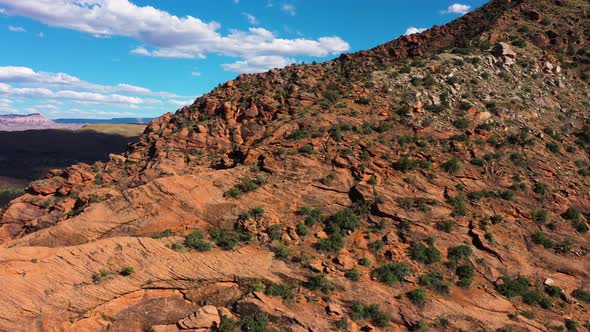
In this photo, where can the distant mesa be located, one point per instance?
(36, 121)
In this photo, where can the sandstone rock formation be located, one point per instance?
(434, 182)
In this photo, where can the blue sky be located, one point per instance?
(132, 58)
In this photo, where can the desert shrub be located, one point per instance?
(334, 243)
(553, 291)
(312, 216)
(535, 297)
(352, 274)
(392, 274)
(195, 241)
(539, 216)
(582, 295)
(281, 250)
(163, 234)
(247, 185)
(225, 238)
(376, 246)
(255, 323)
(465, 275)
(541, 238)
(512, 287)
(299, 134)
(127, 271)
(424, 254)
(451, 166)
(280, 290)
(417, 296)
(541, 188)
(342, 221)
(227, 324)
(301, 229)
(363, 101)
(458, 253)
(571, 324)
(307, 149)
(370, 312)
(446, 225)
(434, 281)
(319, 282)
(101, 275)
(461, 123)
(364, 261)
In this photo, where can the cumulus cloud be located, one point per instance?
(457, 8)
(251, 18)
(413, 30)
(258, 64)
(167, 35)
(16, 29)
(289, 9)
(22, 86)
(26, 75)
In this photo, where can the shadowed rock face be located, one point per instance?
(453, 160)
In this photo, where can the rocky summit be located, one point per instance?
(438, 182)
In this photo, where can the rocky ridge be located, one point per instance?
(439, 181)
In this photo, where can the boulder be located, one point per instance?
(205, 319)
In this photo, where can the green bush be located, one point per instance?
(539, 216)
(256, 323)
(246, 186)
(376, 246)
(535, 297)
(571, 325)
(352, 274)
(299, 134)
(195, 241)
(301, 229)
(513, 287)
(319, 282)
(227, 324)
(370, 312)
(458, 253)
(127, 271)
(307, 149)
(417, 296)
(452, 165)
(281, 250)
(312, 216)
(554, 291)
(280, 290)
(541, 188)
(334, 243)
(434, 281)
(461, 123)
(582, 295)
(163, 234)
(342, 221)
(363, 101)
(424, 254)
(465, 275)
(392, 274)
(541, 239)
(225, 238)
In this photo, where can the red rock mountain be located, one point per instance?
(16, 122)
(437, 182)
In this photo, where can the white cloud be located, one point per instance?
(16, 29)
(167, 35)
(258, 64)
(181, 102)
(457, 8)
(9, 90)
(25, 75)
(41, 35)
(413, 30)
(289, 9)
(2, 11)
(196, 73)
(251, 18)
